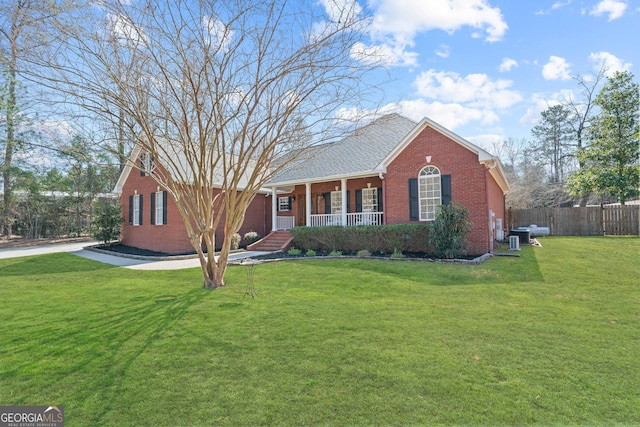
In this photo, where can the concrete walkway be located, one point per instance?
(119, 261)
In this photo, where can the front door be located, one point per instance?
(302, 210)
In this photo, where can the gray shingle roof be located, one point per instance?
(358, 153)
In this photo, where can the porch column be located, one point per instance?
(307, 200)
(274, 209)
(343, 183)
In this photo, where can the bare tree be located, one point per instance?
(23, 32)
(214, 91)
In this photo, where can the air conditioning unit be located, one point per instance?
(514, 243)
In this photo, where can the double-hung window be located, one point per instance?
(137, 209)
(336, 202)
(159, 207)
(284, 204)
(369, 200)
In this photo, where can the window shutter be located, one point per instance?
(327, 202)
(289, 203)
(164, 207)
(445, 184)
(153, 208)
(380, 199)
(358, 200)
(414, 214)
(140, 215)
(130, 210)
(142, 167)
(348, 202)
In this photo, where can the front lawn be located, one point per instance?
(551, 337)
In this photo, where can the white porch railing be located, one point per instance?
(359, 218)
(285, 222)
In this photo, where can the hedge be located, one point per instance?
(374, 238)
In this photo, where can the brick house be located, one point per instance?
(390, 171)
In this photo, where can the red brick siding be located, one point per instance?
(172, 236)
(468, 182)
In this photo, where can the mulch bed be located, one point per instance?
(130, 250)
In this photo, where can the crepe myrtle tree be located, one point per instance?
(215, 91)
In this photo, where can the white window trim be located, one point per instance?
(283, 204)
(429, 199)
(136, 210)
(370, 199)
(336, 202)
(159, 207)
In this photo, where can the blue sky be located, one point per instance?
(487, 68)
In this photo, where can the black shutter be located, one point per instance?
(327, 202)
(379, 199)
(140, 216)
(130, 210)
(414, 213)
(358, 200)
(348, 202)
(142, 167)
(289, 203)
(153, 208)
(164, 207)
(445, 185)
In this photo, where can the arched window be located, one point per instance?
(430, 192)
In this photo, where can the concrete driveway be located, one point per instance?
(119, 261)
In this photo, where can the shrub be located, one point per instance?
(106, 225)
(335, 253)
(251, 237)
(397, 254)
(448, 232)
(294, 252)
(363, 253)
(374, 238)
(235, 241)
(311, 252)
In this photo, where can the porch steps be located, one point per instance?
(272, 242)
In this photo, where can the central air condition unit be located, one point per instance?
(514, 243)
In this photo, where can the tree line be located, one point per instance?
(582, 151)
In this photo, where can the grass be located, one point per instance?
(548, 338)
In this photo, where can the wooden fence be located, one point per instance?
(589, 221)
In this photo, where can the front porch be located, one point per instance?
(348, 202)
(325, 220)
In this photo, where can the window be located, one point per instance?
(137, 209)
(336, 202)
(429, 192)
(147, 164)
(159, 208)
(369, 200)
(284, 203)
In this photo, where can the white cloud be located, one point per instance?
(406, 18)
(397, 22)
(125, 31)
(219, 34)
(610, 61)
(443, 51)
(556, 69)
(449, 115)
(614, 8)
(384, 55)
(507, 64)
(540, 102)
(478, 90)
(342, 11)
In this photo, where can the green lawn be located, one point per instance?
(552, 337)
